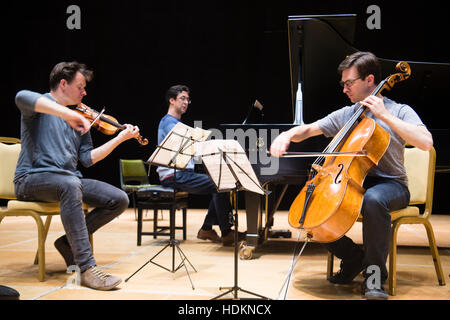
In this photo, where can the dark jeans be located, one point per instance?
(219, 209)
(382, 196)
(71, 191)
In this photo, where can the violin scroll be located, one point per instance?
(142, 141)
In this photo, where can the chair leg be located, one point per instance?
(155, 222)
(133, 197)
(434, 252)
(48, 220)
(172, 220)
(392, 277)
(184, 223)
(41, 246)
(172, 213)
(330, 262)
(139, 227)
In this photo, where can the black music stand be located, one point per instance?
(176, 150)
(230, 170)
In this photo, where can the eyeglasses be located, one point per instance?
(183, 98)
(348, 83)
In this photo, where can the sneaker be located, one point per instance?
(208, 235)
(95, 278)
(348, 271)
(373, 293)
(63, 247)
(228, 239)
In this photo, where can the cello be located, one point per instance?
(330, 202)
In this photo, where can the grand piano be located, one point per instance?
(317, 44)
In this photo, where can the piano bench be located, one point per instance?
(156, 198)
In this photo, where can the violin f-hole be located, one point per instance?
(340, 165)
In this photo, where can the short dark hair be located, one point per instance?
(173, 92)
(67, 71)
(365, 62)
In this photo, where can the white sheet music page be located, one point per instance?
(218, 156)
(177, 148)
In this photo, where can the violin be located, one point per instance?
(106, 124)
(330, 202)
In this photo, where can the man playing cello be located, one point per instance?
(386, 184)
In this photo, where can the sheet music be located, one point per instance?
(218, 165)
(177, 148)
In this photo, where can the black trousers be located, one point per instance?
(382, 196)
(197, 183)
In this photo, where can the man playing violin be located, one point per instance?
(386, 184)
(54, 139)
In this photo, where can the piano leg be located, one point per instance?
(272, 204)
(256, 233)
(253, 209)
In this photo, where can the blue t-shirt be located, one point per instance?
(165, 125)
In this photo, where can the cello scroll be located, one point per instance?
(403, 74)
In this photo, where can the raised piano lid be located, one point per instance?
(317, 44)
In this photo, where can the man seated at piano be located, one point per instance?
(386, 184)
(188, 180)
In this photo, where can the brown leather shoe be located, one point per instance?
(208, 235)
(228, 240)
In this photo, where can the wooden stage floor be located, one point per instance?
(116, 251)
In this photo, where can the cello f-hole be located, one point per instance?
(340, 165)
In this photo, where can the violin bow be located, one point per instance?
(97, 117)
(95, 120)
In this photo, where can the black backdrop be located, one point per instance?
(227, 52)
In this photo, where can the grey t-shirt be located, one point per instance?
(49, 144)
(391, 164)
